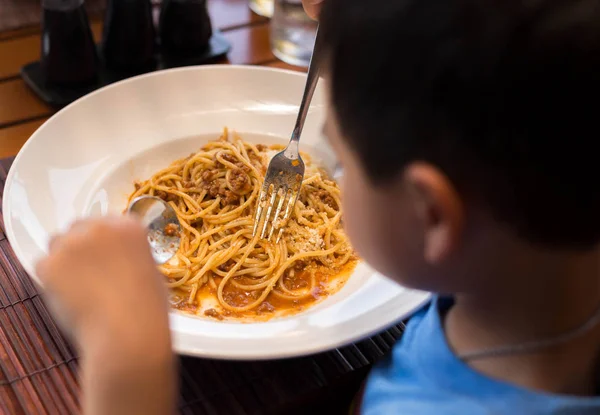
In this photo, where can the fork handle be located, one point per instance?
(309, 89)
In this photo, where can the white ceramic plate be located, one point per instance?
(84, 159)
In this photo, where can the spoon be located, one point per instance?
(164, 229)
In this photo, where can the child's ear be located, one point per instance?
(439, 209)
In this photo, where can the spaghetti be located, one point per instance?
(214, 193)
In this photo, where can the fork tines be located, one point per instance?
(268, 198)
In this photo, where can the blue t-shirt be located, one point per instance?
(423, 376)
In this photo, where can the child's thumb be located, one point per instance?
(312, 7)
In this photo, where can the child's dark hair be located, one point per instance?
(501, 95)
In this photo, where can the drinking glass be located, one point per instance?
(292, 33)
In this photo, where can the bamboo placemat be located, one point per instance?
(38, 368)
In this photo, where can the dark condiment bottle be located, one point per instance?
(185, 28)
(68, 52)
(129, 38)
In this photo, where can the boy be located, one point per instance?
(463, 129)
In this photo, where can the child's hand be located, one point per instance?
(312, 7)
(100, 277)
(103, 287)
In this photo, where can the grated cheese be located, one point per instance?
(314, 242)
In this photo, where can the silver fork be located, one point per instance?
(286, 169)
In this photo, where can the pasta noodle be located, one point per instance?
(214, 193)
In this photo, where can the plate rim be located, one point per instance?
(417, 299)
(8, 228)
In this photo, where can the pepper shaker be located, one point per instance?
(185, 28)
(128, 42)
(68, 52)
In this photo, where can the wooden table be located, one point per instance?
(21, 112)
(38, 368)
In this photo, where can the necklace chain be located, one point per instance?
(535, 345)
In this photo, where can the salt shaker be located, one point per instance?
(128, 41)
(185, 28)
(68, 52)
